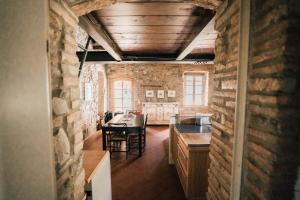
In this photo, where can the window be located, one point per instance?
(195, 89)
(122, 95)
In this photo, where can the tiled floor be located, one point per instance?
(149, 177)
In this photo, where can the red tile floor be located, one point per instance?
(149, 177)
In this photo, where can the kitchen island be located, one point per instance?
(189, 148)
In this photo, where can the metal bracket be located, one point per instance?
(85, 54)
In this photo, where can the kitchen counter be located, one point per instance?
(193, 135)
(189, 151)
(91, 161)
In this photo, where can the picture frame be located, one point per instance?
(149, 93)
(160, 94)
(171, 93)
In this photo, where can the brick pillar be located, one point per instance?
(272, 145)
(224, 97)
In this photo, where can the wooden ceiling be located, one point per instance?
(157, 28)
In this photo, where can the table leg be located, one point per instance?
(140, 142)
(103, 139)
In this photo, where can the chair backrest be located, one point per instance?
(135, 112)
(118, 113)
(117, 125)
(107, 116)
(145, 122)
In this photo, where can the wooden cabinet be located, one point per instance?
(191, 162)
(160, 113)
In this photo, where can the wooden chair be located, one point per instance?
(135, 112)
(115, 139)
(134, 137)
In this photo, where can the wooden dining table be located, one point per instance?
(134, 124)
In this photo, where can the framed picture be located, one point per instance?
(160, 94)
(171, 93)
(149, 93)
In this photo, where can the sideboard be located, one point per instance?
(160, 112)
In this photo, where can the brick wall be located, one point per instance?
(157, 77)
(223, 101)
(272, 145)
(67, 132)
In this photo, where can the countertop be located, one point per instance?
(194, 136)
(91, 161)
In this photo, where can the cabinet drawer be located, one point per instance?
(183, 159)
(182, 176)
(183, 146)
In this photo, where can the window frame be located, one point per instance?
(204, 95)
(123, 109)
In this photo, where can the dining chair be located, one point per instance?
(134, 137)
(135, 112)
(115, 139)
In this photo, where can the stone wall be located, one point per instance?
(102, 89)
(157, 77)
(67, 132)
(89, 108)
(223, 102)
(272, 150)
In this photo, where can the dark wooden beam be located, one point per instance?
(95, 56)
(195, 38)
(101, 37)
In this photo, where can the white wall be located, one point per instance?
(26, 153)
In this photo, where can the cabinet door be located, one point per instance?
(151, 111)
(160, 113)
(168, 112)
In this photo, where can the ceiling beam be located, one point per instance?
(100, 36)
(95, 56)
(196, 37)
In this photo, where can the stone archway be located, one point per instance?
(64, 68)
(273, 85)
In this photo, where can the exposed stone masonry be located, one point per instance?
(157, 77)
(67, 132)
(223, 103)
(89, 109)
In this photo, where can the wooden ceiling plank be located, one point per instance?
(149, 20)
(148, 29)
(171, 36)
(101, 37)
(167, 8)
(192, 44)
(148, 41)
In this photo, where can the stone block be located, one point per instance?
(76, 104)
(57, 121)
(273, 85)
(79, 186)
(62, 147)
(78, 137)
(229, 84)
(69, 58)
(70, 81)
(59, 106)
(71, 70)
(78, 148)
(72, 117)
(75, 93)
